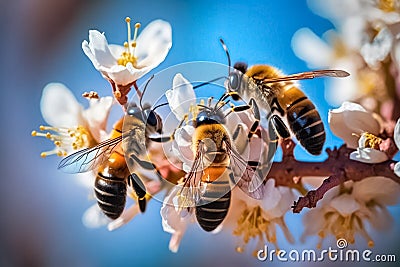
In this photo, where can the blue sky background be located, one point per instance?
(42, 207)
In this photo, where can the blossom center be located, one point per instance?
(344, 227)
(65, 138)
(128, 56)
(252, 224)
(371, 141)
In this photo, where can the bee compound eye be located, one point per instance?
(151, 118)
(234, 81)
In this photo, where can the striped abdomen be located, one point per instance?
(111, 194)
(305, 122)
(213, 205)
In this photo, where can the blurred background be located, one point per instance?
(41, 43)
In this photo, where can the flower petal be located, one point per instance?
(97, 50)
(345, 204)
(396, 134)
(310, 48)
(97, 115)
(349, 119)
(59, 106)
(153, 44)
(181, 97)
(271, 197)
(369, 155)
(94, 217)
(397, 168)
(377, 188)
(172, 221)
(287, 197)
(126, 216)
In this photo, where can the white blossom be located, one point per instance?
(71, 127)
(346, 210)
(124, 64)
(359, 129)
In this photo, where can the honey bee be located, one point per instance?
(207, 185)
(274, 91)
(128, 142)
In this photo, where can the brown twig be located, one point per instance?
(121, 92)
(338, 168)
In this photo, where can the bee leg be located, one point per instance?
(140, 190)
(239, 137)
(256, 123)
(275, 106)
(279, 127)
(164, 139)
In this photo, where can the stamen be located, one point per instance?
(137, 26)
(128, 56)
(65, 138)
(368, 140)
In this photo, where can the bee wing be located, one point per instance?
(89, 158)
(309, 75)
(190, 191)
(249, 180)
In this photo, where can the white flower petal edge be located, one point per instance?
(369, 155)
(397, 168)
(396, 134)
(349, 119)
(59, 106)
(181, 97)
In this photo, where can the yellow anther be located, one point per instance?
(57, 143)
(126, 45)
(59, 153)
(42, 128)
(48, 135)
(239, 249)
(33, 133)
(371, 243)
(127, 19)
(43, 154)
(137, 25)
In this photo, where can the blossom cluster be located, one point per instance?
(346, 207)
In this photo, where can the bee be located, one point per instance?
(207, 185)
(111, 158)
(274, 91)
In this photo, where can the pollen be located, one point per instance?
(128, 56)
(387, 5)
(346, 227)
(368, 140)
(252, 224)
(64, 139)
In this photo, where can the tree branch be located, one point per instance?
(338, 168)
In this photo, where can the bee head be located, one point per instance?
(147, 115)
(152, 119)
(207, 117)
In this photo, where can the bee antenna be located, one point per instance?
(227, 53)
(160, 105)
(144, 90)
(210, 81)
